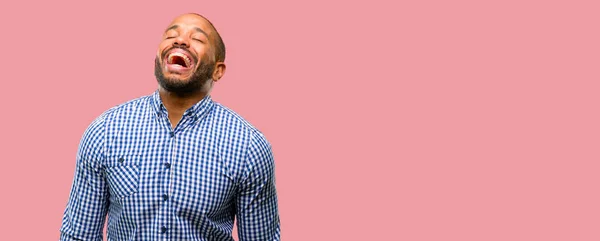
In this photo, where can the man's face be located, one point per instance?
(185, 62)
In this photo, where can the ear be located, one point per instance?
(219, 71)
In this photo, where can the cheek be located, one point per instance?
(201, 51)
(161, 48)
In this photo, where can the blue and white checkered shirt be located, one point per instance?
(160, 183)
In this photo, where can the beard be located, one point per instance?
(194, 83)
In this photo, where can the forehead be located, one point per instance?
(188, 21)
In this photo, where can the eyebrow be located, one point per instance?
(195, 28)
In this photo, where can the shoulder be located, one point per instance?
(94, 134)
(233, 120)
(229, 117)
(130, 108)
(258, 153)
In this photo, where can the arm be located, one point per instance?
(257, 212)
(86, 210)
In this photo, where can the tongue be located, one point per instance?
(176, 60)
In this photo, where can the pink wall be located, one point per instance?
(436, 120)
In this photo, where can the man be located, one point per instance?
(175, 165)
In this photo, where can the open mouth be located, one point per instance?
(178, 60)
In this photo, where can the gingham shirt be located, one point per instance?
(160, 183)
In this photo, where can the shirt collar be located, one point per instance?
(197, 111)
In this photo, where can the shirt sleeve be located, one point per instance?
(257, 211)
(88, 202)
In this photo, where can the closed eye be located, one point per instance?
(198, 40)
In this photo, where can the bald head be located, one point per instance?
(218, 46)
(216, 39)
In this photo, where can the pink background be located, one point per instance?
(390, 120)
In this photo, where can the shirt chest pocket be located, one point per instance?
(123, 175)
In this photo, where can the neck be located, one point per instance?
(176, 103)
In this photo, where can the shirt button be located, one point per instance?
(167, 165)
(121, 159)
(165, 197)
(163, 229)
(172, 134)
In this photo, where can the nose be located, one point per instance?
(181, 41)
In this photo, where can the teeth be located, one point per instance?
(188, 62)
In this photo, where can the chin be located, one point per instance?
(177, 77)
